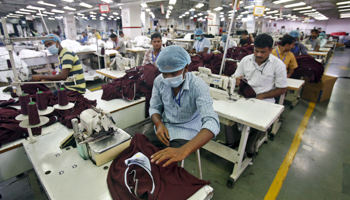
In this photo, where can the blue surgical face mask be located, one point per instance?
(198, 38)
(53, 49)
(321, 37)
(175, 81)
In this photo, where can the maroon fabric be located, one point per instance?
(139, 78)
(4, 103)
(171, 182)
(196, 61)
(230, 68)
(245, 89)
(32, 89)
(238, 53)
(308, 67)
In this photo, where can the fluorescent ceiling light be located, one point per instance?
(200, 14)
(208, 11)
(344, 2)
(305, 11)
(343, 10)
(41, 14)
(180, 17)
(218, 8)
(192, 9)
(93, 16)
(69, 8)
(80, 14)
(303, 8)
(281, 1)
(111, 16)
(144, 5)
(35, 8)
(26, 13)
(170, 7)
(186, 13)
(172, 2)
(57, 11)
(12, 16)
(247, 7)
(59, 17)
(295, 5)
(22, 9)
(338, 7)
(148, 10)
(267, 9)
(93, 13)
(195, 16)
(51, 18)
(49, 13)
(46, 4)
(115, 13)
(85, 5)
(271, 12)
(107, 1)
(70, 1)
(103, 14)
(191, 17)
(199, 5)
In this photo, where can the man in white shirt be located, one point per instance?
(230, 43)
(202, 44)
(267, 75)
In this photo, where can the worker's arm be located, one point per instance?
(272, 93)
(290, 72)
(161, 131)
(62, 76)
(205, 50)
(192, 51)
(317, 48)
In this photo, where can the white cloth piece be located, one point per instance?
(231, 43)
(188, 36)
(21, 66)
(142, 41)
(26, 53)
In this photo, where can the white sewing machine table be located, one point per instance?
(252, 113)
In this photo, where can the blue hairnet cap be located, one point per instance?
(224, 38)
(199, 32)
(55, 39)
(294, 33)
(224, 30)
(172, 58)
(322, 34)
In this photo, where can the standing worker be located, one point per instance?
(96, 34)
(202, 44)
(313, 40)
(69, 65)
(152, 53)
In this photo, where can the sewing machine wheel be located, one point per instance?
(230, 183)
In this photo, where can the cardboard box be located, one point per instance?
(318, 92)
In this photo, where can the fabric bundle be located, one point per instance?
(238, 53)
(245, 89)
(308, 67)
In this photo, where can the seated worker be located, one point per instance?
(167, 35)
(118, 43)
(152, 53)
(313, 40)
(112, 32)
(283, 52)
(85, 38)
(181, 108)
(43, 33)
(266, 74)
(96, 34)
(230, 43)
(299, 48)
(245, 40)
(69, 65)
(202, 44)
(322, 37)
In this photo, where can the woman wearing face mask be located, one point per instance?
(202, 44)
(322, 37)
(181, 108)
(69, 65)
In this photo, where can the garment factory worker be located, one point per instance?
(96, 34)
(152, 53)
(112, 32)
(283, 52)
(181, 108)
(85, 38)
(322, 36)
(118, 43)
(202, 44)
(313, 40)
(266, 74)
(69, 65)
(245, 40)
(230, 43)
(299, 48)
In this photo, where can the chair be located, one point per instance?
(198, 161)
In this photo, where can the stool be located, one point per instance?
(198, 161)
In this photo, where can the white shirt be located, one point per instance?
(264, 78)
(230, 43)
(200, 44)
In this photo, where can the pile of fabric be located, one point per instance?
(9, 127)
(142, 41)
(21, 66)
(137, 82)
(237, 53)
(308, 67)
(26, 53)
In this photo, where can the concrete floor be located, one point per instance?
(321, 167)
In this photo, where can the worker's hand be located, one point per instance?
(170, 154)
(260, 96)
(238, 80)
(36, 78)
(43, 80)
(163, 134)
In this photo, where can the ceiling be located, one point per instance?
(325, 7)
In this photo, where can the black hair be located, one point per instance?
(245, 32)
(113, 35)
(314, 31)
(171, 26)
(83, 32)
(263, 40)
(111, 30)
(58, 27)
(121, 32)
(287, 39)
(156, 35)
(56, 32)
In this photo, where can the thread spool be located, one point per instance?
(40, 100)
(24, 100)
(33, 114)
(62, 97)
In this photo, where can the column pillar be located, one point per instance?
(214, 24)
(131, 18)
(70, 27)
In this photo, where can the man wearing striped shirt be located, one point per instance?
(69, 66)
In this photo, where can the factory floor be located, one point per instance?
(319, 170)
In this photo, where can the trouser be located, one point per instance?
(232, 138)
(177, 143)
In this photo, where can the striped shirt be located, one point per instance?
(150, 58)
(69, 60)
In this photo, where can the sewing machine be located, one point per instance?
(97, 136)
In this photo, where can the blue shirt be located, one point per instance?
(194, 113)
(85, 39)
(200, 44)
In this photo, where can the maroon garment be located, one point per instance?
(230, 68)
(308, 67)
(171, 182)
(32, 89)
(238, 53)
(245, 89)
(4, 103)
(196, 61)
